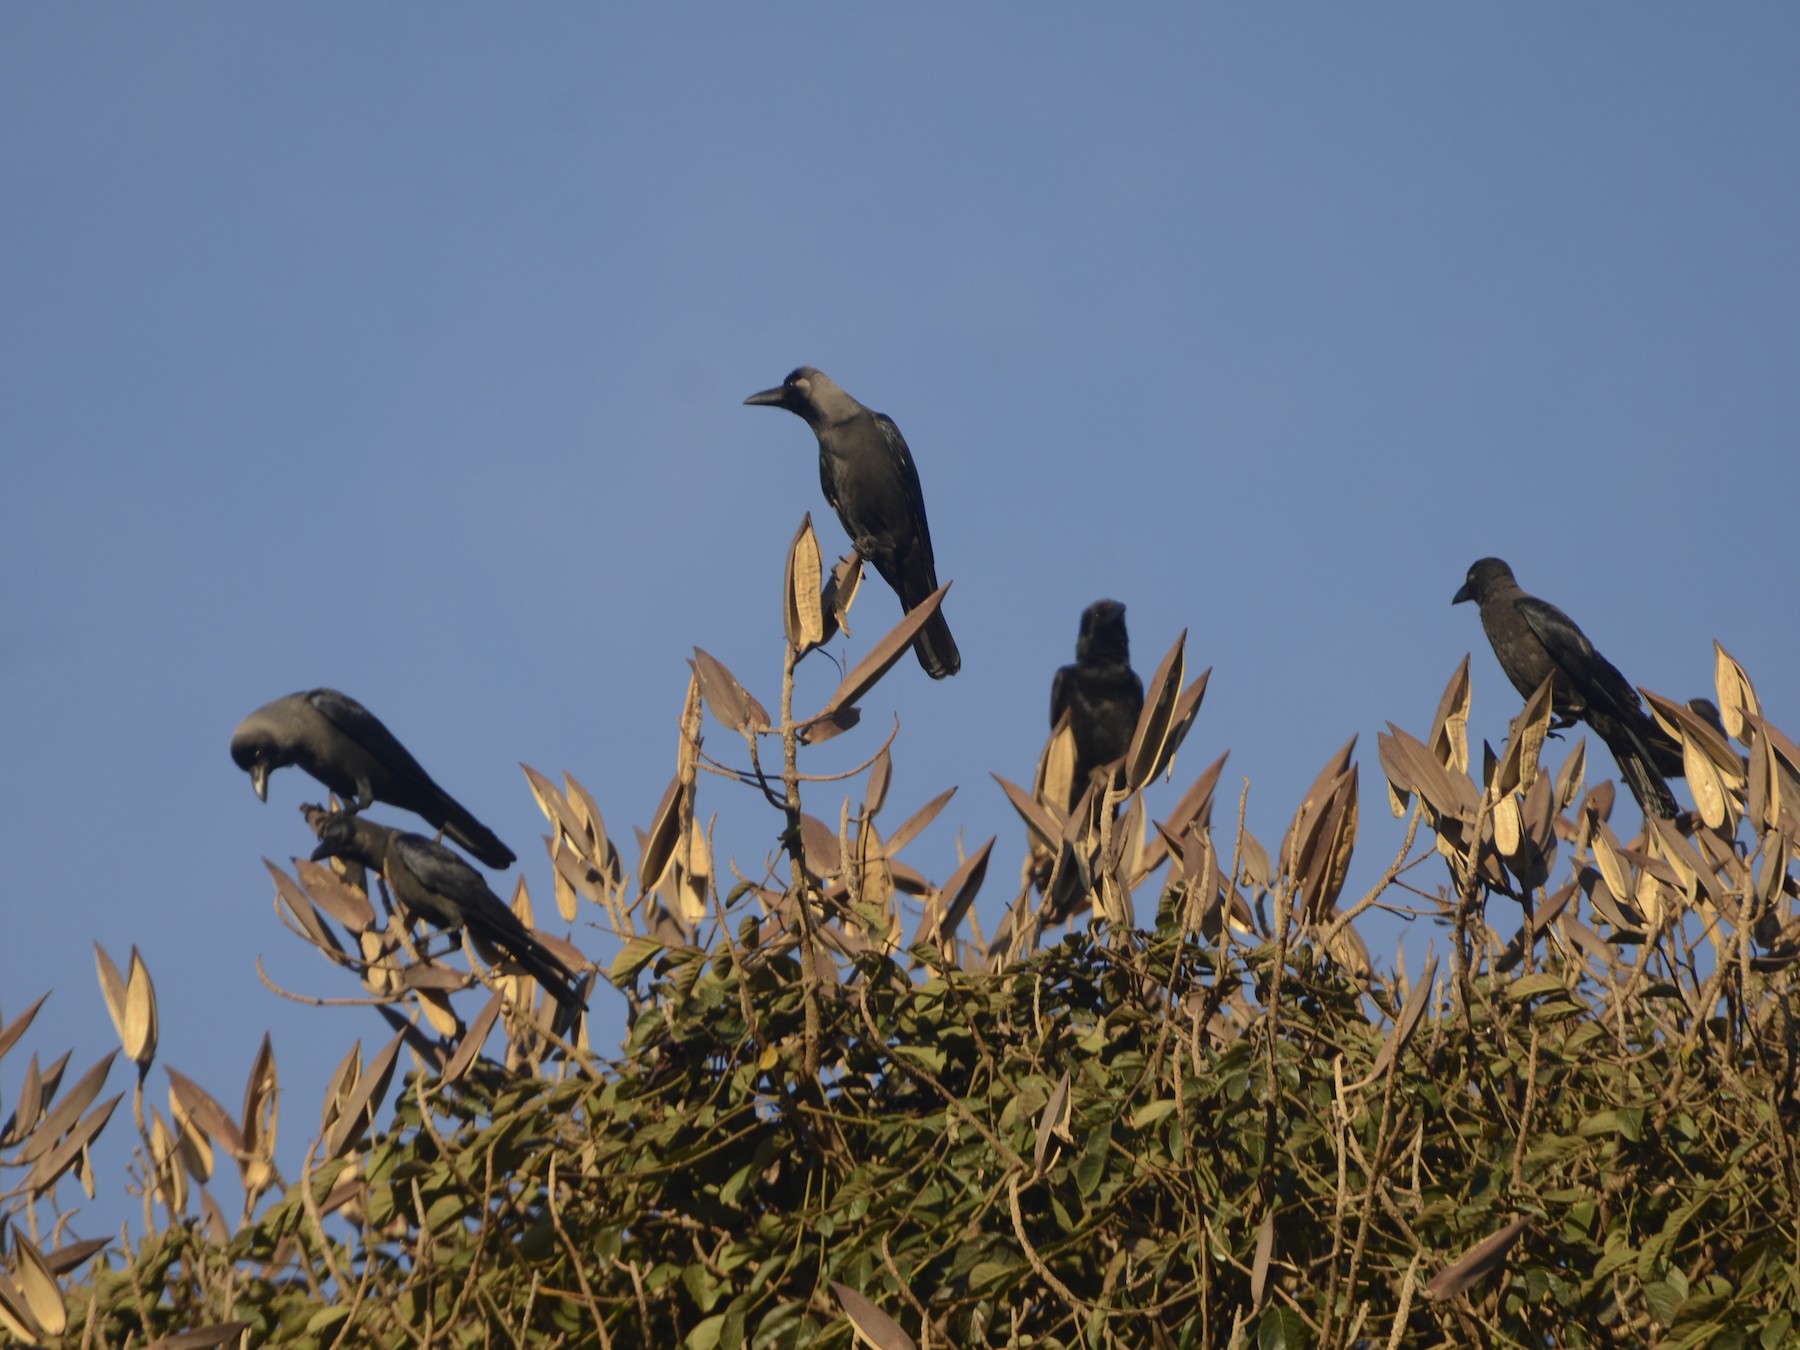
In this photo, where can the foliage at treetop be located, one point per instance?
(1200, 1118)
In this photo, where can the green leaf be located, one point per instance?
(1151, 1112)
(1280, 1329)
(1093, 1160)
(637, 953)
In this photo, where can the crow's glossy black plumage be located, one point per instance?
(1101, 692)
(1533, 640)
(348, 749)
(434, 884)
(871, 482)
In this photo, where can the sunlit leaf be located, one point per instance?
(802, 615)
(1161, 693)
(1737, 695)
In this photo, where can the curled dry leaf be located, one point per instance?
(63, 1116)
(1161, 694)
(885, 653)
(659, 844)
(1055, 779)
(873, 1327)
(914, 824)
(36, 1282)
(1737, 695)
(880, 773)
(1044, 829)
(202, 1338)
(1449, 738)
(1194, 808)
(1259, 1266)
(730, 702)
(556, 808)
(132, 1004)
(331, 893)
(359, 1111)
(828, 724)
(1686, 725)
(189, 1101)
(15, 1314)
(1417, 998)
(1187, 708)
(1518, 766)
(52, 1165)
(1479, 1260)
(1569, 778)
(839, 594)
(9, 1035)
(946, 913)
(802, 616)
(1054, 1121)
(262, 1091)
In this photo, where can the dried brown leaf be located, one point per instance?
(884, 654)
(63, 1116)
(802, 616)
(202, 1338)
(944, 917)
(1053, 1121)
(1045, 830)
(881, 773)
(42, 1296)
(9, 1036)
(873, 1327)
(64, 1156)
(1449, 739)
(1408, 1020)
(1737, 695)
(1259, 1265)
(659, 844)
(730, 702)
(1182, 722)
(359, 1110)
(839, 594)
(1161, 693)
(916, 823)
(261, 1113)
(1481, 1259)
(331, 893)
(187, 1099)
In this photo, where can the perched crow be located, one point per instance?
(1533, 639)
(869, 479)
(346, 747)
(1101, 693)
(434, 884)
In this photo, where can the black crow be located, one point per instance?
(1101, 693)
(346, 747)
(869, 479)
(434, 884)
(1533, 639)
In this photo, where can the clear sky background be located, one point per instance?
(401, 349)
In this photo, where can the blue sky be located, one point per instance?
(402, 350)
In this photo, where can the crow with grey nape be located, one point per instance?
(1534, 640)
(1101, 693)
(348, 749)
(870, 480)
(434, 884)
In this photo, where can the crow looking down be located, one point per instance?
(433, 883)
(870, 480)
(1101, 693)
(1534, 640)
(348, 749)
